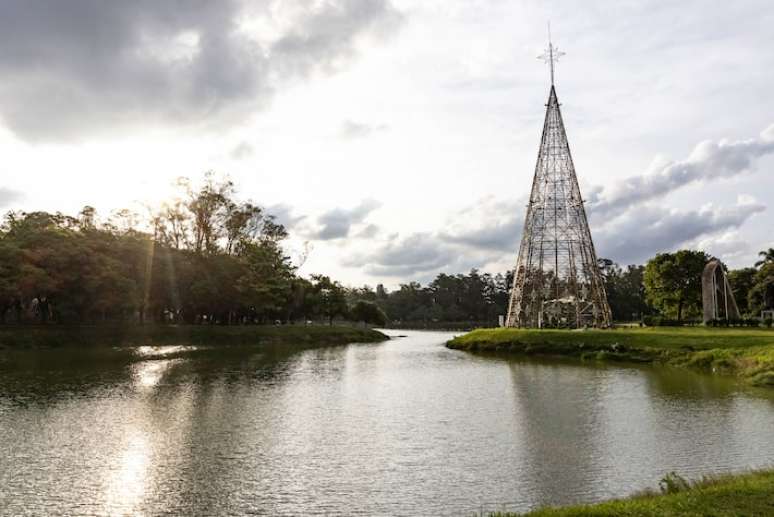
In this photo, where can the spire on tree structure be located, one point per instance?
(557, 282)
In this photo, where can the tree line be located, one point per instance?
(204, 257)
(665, 289)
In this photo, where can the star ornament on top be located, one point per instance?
(551, 55)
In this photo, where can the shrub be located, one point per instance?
(673, 483)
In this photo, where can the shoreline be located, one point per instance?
(747, 354)
(94, 336)
(748, 493)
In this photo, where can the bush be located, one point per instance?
(673, 483)
(661, 321)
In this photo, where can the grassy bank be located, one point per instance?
(155, 335)
(750, 494)
(746, 353)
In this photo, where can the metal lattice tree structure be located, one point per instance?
(557, 282)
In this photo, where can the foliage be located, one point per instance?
(673, 282)
(472, 299)
(742, 282)
(368, 313)
(767, 257)
(204, 257)
(625, 290)
(673, 483)
(761, 295)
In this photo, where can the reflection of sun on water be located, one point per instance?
(161, 351)
(147, 374)
(127, 481)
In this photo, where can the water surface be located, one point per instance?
(405, 427)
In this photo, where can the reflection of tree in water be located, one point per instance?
(687, 385)
(223, 417)
(699, 423)
(50, 376)
(560, 421)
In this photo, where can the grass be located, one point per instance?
(138, 335)
(750, 494)
(746, 353)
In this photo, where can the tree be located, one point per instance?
(761, 295)
(673, 282)
(742, 282)
(368, 312)
(209, 257)
(767, 257)
(625, 290)
(330, 299)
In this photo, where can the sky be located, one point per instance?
(397, 139)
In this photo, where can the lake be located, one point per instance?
(404, 427)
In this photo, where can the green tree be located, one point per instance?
(673, 282)
(761, 295)
(742, 281)
(330, 298)
(625, 290)
(767, 257)
(368, 313)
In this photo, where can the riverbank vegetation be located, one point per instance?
(725, 495)
(746, 353)
(187, 335)
(204, 257)
(208, 257)
(665, 291)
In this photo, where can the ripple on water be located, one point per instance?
(404, 427)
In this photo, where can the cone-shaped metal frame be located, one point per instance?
(557, 282)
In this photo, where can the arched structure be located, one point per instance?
(716, 294)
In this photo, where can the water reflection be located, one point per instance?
(148, 374)
(400, 428)
(560, 427)
(126, 482)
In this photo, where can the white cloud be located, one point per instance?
(708, 161)
(351, 130)
(90, 67)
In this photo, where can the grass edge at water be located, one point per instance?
(749, 493)
(745, 353)
(20, 337)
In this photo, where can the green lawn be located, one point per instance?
(749, 494)
(748, 353)
(135, 335)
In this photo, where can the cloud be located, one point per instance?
(639, 234)
(91, 66)
(368, 232)
(708, 160)
(242, 150)
(284, 215)
(8, 196)
(337, 223)
(492, 239)
(485, 233)
(490, 224)
(419, 256)
(351, 130)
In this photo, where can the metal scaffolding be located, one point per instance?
(557, 282)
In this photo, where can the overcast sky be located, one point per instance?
(398, 137)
